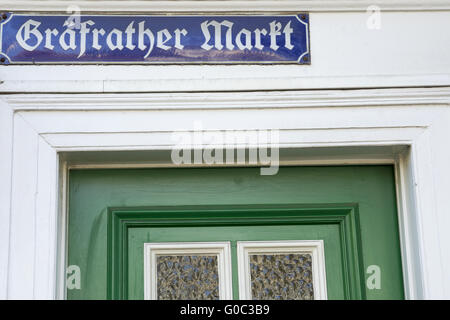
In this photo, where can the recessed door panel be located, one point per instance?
(260, 232)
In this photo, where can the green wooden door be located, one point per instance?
(350, 209)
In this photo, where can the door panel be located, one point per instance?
(329, 233)
(112, 213)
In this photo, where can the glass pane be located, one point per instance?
(187, 277)
(281, 277)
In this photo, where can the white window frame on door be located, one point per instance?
(313, 247)
(219, 249)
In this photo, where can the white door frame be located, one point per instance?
(38, 129)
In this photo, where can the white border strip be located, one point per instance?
(224, 6)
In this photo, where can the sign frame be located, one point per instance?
(304, 59)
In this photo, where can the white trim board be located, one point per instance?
(228, 6)
(230, 100)
(313, 247)
(195, 79)
(219, 249)
(39, 136)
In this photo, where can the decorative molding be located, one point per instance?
(231, 100)
(225, 6)
(343, 215)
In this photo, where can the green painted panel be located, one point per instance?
(368, 189)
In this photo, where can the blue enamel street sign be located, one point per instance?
(143, 39)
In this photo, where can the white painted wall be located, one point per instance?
(410, 49)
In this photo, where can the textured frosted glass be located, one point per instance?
(187, 277)
(281, 277)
